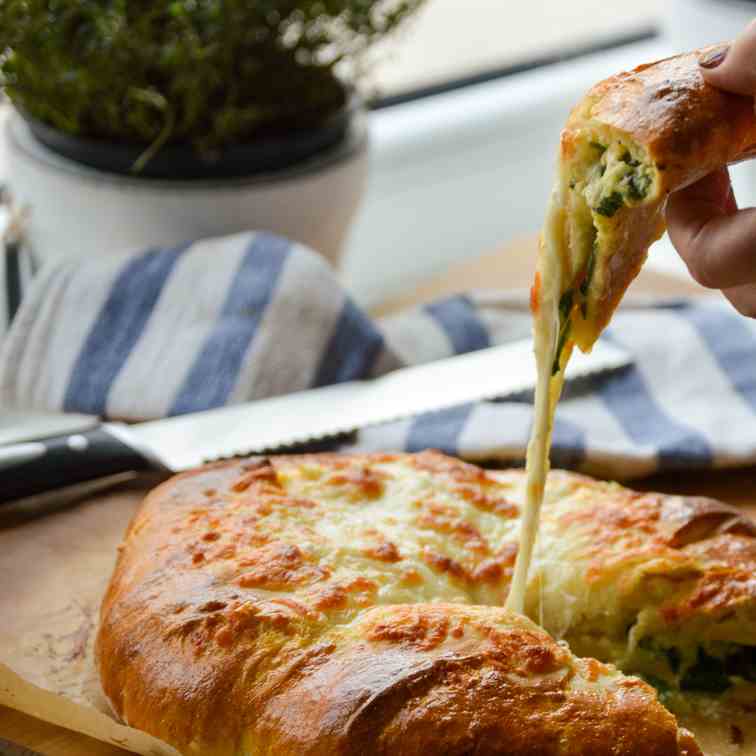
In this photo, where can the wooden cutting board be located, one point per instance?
(509, 268)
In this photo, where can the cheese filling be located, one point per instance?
(618, 179)
(602, 180)
(603, 177)
(548, 344)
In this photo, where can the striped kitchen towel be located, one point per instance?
(688, 400)
(177, 330)
(17, 265)
(253, 315)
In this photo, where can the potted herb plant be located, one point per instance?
(141, 122)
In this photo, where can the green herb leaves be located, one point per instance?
(711, 670)
(206, 72)
(707, 674)
(609, 204)
(742, 662)
(638, 186)
(619, 179)
(565, 325)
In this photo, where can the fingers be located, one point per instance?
(733, 67)
(715, 239)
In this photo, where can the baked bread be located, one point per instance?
(662, 586)
(327, 604)
(632, 140)
(681, 611)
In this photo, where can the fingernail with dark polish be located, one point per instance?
(713, 58)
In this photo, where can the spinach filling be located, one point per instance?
(742, 663)
(708, 673)
(639, 182)
(609, 204)
(669, 653)
(568, 300)
(565, 325)
(614, 179)
(638, 186)
(622, 179)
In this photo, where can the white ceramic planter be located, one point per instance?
(79, 211)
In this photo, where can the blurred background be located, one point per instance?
(465, 102)
(473, 95)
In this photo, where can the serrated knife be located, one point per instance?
(109, 450)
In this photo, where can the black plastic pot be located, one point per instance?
(267, 154)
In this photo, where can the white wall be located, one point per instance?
(450, 38)
(459, 174)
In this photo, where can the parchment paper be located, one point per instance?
(53, 574)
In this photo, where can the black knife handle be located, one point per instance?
(38, 467)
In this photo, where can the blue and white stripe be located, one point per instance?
(178, 330)
(253, 315)
(188, 309)
(245, 306)
(116, 329)
(688, 400)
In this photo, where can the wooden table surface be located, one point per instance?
(510, 267)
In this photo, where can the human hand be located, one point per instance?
(716, 240)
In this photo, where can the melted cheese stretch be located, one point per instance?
(548, 388)
(606, 176)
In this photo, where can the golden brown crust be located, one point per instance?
(628, 539)
(222, 635)
(446, 679)
(687, 127)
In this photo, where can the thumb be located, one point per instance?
(732, 66)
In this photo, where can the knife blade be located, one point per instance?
(180, 443)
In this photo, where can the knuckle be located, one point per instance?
(703, 272)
